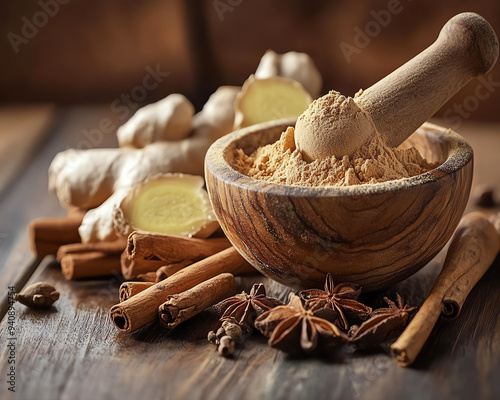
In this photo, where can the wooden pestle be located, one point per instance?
(473, 249)
(402, 101)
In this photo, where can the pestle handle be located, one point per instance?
(402, 101)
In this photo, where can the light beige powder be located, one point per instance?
(332, 125)
(373, 162)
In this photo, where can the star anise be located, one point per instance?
(245, 307)
(384, 324)
(292, 327)
(341, 298)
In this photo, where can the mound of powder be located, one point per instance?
(373, 162)
(320, 131)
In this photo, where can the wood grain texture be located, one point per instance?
(62, 350)
(373, 235)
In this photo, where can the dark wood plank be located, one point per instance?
(74, 352)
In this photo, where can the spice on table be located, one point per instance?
(48, 234)
(142, 308)
(89, 265)
(146, 277)
(166, 270)
(245, 307)
(341, 298)
(180, 307)
(85, 260)
(164, 250)
(292, 327)
(473, 249)
(38, 295)
(228, 329)
(132, 268)
(384, 324)
(114, 247)
(220, 332)
(129, 289)
(212, 337)
(226, 346)
(233, 330)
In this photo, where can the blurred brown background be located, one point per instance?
(75, 51)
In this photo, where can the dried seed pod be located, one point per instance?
(212, 337)
(226, 346)
(232, 330)
(38, 295)
(384, 324)
(243, 308)
(220, 332)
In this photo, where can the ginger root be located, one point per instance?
(171, 139)
(297, 66)
(262, 100)
(167, 119)
(101, 178)
(173, 204)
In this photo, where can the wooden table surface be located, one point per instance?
(73, 351)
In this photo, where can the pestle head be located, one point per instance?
(332, 125)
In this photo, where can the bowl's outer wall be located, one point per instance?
(374, 239)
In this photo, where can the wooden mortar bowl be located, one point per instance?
(374, 234)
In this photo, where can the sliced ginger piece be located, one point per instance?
(262, 100)
(173, 204)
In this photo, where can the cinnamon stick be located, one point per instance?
(89, 264)
(172, 249)
(473, 249)
(129, 289)
(133, 268)
(165, 271)
(147, 277)
(115, 247)
(180, 307)
(48, 234)
(142, 308)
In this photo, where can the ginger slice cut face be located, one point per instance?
(269, 99)
(173, 204)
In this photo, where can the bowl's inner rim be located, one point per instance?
(459, 154)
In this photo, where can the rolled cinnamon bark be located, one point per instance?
(48, 234)
(133, 268)
(115, 247)
(165, 271)
(89, 264)
(473, 249)
(147, 277)
(129, 289)
(172, 249)
(180, 307)
(142, 308)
